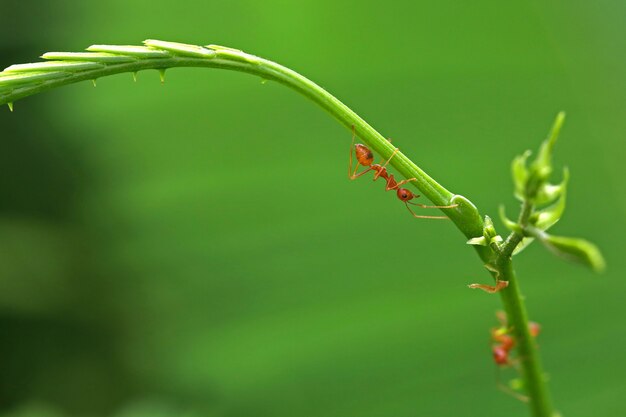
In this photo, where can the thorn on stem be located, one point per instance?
(10, 104)
(135, 76)
(162, 75)
(94, 82)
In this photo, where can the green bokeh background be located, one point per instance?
(195, 249)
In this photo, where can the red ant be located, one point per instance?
(504, 344)
(365, 157)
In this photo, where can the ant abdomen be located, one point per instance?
(363, 155)
(500, 355)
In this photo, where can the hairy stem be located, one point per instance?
(20, 81)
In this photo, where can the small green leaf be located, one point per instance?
(549, 193)
(578, 250)
(182, 49)
(223, 48)
(129, 50)
(545, 218)
(489, 230)
(478, 241)
(496, 240)
(54, 66)
(520, 174)
(489, 237)
(102, 57)
(542, 165)
(13, 79)
(573, 249)
(508, 223)
(233, 54)
(523, 245)
(541, 168)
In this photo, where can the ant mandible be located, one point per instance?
(365, 157)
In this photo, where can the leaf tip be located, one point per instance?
(575, 249)
(556, 128)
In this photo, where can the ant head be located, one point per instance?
(404, 194)
(363, 155)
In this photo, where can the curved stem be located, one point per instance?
(465, 215)
(24, 80)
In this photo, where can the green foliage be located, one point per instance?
(572, 249)
(27, 79)
(489, 237)
(543, 205)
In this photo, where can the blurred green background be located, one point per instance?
(195, 249)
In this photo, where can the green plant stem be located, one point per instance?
(465, 216)
(530, 361)
(515, 238)
(532, 371)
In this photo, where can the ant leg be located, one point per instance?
(382, 168)
(439, 207)
(508, 390)
(398, 185)
(350, 173)
(392, 155)
(424, 217)
(355, 175)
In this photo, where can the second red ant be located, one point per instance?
(365, 157)
(503, 343)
